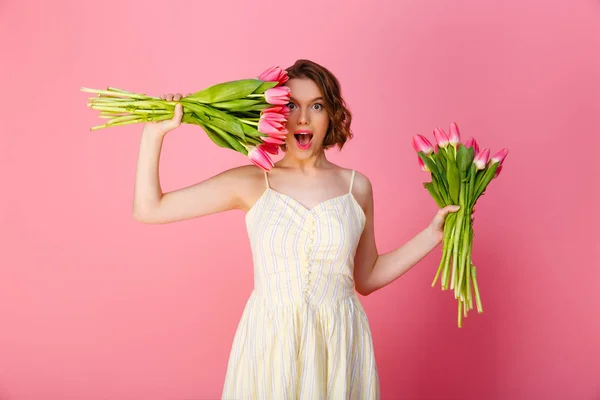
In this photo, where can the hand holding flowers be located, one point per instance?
(460, 174)
(246, 115)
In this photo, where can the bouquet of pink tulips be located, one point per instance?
(460, 174)
(247, 115)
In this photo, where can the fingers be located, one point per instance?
(171, 96)
(177, 114)
(450, 208)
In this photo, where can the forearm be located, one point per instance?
(390, 266)
(147, 190)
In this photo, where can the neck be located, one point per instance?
(290, 160)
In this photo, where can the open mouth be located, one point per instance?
(303, 140)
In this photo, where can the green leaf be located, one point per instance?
(235, 144)
(433, 192)
(250, 130)
(218, 118)
(471, 186)
(237, 105)
(429, 163)
(442, 157)
(453, 176)
(485, 180)
(212, 135)
(225, 91)
(264, 87)
(217, 139)
(464, 158)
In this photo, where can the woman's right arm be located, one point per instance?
(218, 193)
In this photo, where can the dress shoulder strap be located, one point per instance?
(352, 181)
(266, 179)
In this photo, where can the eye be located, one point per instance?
(318, 106)
(291, 106)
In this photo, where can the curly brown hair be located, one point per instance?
(340, 117)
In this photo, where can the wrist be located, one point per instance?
(432, 237)
(153, 132)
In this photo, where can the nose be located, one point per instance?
(303, 117)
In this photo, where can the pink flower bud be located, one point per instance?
(274, 139)
(440, 137)
(260, 158)
(273, 116)
(277, 109)
(472, 143)
(269, 127)
(482, 159)
(420, 143)
(454, 134)
(271, 148)
(278, 95)
(274, 74)
(500, 156)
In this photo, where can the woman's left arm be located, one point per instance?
(373, 271)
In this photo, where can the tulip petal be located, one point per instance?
(481, 159)
(274, 74)
(454, 134)
(441, 137)
(500, 156)
(420, 143)
(260, 158)
(278, 95)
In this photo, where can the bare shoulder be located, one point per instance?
(362, 189)
(245, 174)
(249, 182)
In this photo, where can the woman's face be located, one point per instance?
(308, 120)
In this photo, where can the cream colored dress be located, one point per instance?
(303, 333)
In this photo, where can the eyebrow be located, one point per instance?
(315, 99)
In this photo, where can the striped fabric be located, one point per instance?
(303, 333)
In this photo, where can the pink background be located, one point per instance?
(94, 305)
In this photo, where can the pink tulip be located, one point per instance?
(273, 116)
(498, 171)
(500, 156)
(277, 109)
(278, 95)
(454, 134)
(270, 127)
(472, 143)
(260, 158)
(481, 159)
(274, 74)
(441, 137)
(274, 139)
(422, 165)
(282, 135)
(420, 143)
(270, 148)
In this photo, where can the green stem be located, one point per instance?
(448, 227)
(460, 314)
(468, 274)
(457, 239)
(466, 235)
(115, 93)
(449, 251)
(249, 122)
(476, 288)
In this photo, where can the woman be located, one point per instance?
(303, 333)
